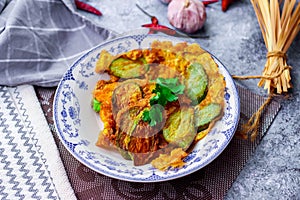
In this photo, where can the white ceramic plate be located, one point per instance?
(78, 125)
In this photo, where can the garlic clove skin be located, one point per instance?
(187, 15)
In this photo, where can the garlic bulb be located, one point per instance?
(187, 15)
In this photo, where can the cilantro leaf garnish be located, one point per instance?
(172, 84)
(154, 115)
(166, 90)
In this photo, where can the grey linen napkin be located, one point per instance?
(40, 39)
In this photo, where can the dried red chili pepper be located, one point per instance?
(207, 2)
(86, 7)
(155, 27)
(225, 4)
(159, 28)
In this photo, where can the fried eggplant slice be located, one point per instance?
(205, 115)
(180, 129)
(124, 95)
(196, 82)
(133, 134)
(126, 68)
(102, 64)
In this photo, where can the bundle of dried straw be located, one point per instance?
(279, 23)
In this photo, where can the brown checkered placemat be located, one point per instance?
(211, 182)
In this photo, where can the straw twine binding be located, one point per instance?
(250, 129)
(269, 54)
(279, 22)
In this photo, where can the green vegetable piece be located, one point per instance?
(172, 84)
(96, 105)
(146, 116)
(180, 129)
(126, 68)
(129, 120)
(196, 83)
(125, 154)
(207, 114)
(154, 115)
(128, 123)
(122, 95)
(167, 90)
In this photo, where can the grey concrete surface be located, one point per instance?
(273, 172)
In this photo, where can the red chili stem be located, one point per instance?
(154, 20)
(154, 26)
(139, 7)
(86, 7)
(207, 2)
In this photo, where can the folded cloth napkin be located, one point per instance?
(40, 39)
(30, 165)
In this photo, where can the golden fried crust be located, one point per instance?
(134, 54)
(167, 61)
(104, 61)
(194, 53)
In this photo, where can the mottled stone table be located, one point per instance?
(273, 172)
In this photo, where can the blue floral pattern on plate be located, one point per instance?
(78, 125)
